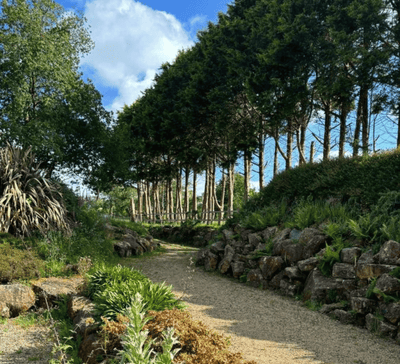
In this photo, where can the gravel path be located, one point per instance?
(263, 325)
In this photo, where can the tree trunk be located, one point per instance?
(194, 197)
(247, 168)
(356, 141)
(187, 172)
(312, 152)
(179, 195)
(327, 132)
(364, 120)
(289, 146)
(231, 181)
(302, 158)
(133, 210)
(276, 158)
(221, 206)
(140, 201)
(204, 205)
(261, 147)
(342, 136)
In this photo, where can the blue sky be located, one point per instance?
(132, 40)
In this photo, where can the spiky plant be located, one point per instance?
(28, 202)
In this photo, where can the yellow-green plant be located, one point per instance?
(28, 202)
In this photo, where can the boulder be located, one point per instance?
(327, 308)
(288, 288)
(237, 269)
(210, 261)
(201, 257)
(254, 277)
(369, 271)
(343, 316)
(225, 263)
(366, 258)
(254, 239)
(280, 244)
(350, 255)
(269, 233)
(55, 288)
(270, 266)
(244, 235)
(388, 284)
(276, 280)
(295, 234)
(293, 273)
(15, 299)
(227, 235)
(81, 311)
(123, 249)
(343, 270)
(247, 249)
(362, 305)
(282, 235)
(292, 253)
(360, 292)
(217, 247)
(389, 253)
(308, 265)
(89, 349)
(313, 241)
(373, 324)
(318, 286)
(391, 311)
(307, 234)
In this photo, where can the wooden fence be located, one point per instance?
(206, 217)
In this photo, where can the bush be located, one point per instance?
(18, 264)
(28, 201)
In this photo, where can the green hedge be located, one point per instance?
(360, 178)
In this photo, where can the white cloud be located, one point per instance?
(131, 40)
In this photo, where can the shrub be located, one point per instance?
(18, 264)
(28, 201)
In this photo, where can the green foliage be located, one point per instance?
(331, 256)
(135, 226)
(28, 201)
(269, 247)
(114, 289)
(135, 342)
(307, 212)
(360, 179)
(18, 264)
(395, 273)
(116, 202)
(268, 216)
(371, 288)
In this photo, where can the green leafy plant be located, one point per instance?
(135, 342)
(28, 201)
(330, 257)
(268, 216)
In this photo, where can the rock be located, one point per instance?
(360, 292)
(269, 233)
(349, 285)
(276, 280)
(391, 311)
(295, 234)
(15, 299)
(326, 308)
(225, 263)
(366, 258)
(210, 261)
(254, 277)
(217, 247)
(282, 235)
(270, 266)
(54, 288)
(81, 311)
(362, 305)
(350, 255)
(247, 249)
(237, 269)
(369, 271)
(313, 241)
(254, 239)
(373, 324)
(293, 273)
(318, 286)
(244, 235)
(288, 288)
(201, 257)
(388, 284)
(4, 310)
(123, 249)
(308, 265)
(291, 253)
(389, 253)
(228, 235)
(343, 316)
(343, 270)
(280, 244)
(89, 349)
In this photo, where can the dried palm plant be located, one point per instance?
(28, 202)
